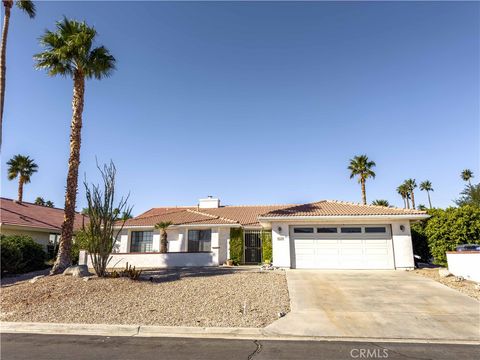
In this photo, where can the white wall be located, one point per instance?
(281, 244)
(157, 260)
(402, 245)
(465, 264)
(223, 243)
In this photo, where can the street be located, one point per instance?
(73, 347)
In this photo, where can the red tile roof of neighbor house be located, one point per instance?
(248, 215)
(34, 216)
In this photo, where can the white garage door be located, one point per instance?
(342, 247)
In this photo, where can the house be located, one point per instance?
(43, 224)
(321, 235)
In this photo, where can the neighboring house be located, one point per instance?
(320, 235)
(43, 224)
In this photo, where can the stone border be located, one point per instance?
(189, 332)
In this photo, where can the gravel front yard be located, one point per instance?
(465, 286)
(201, 297)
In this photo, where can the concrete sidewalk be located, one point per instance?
(376, 304)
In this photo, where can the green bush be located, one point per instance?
(236, 245)
(420, 241)
(451, 227)
(267, 245)
(20, 254)
(80, 242)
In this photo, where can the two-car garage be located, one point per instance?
(341, 247)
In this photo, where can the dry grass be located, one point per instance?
(173, 298)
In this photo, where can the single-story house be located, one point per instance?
(320, 235)
(43, 224)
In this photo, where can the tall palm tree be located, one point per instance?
(22, 167)
(361, 166)
(411, 184)
(467, 175)
(427, 186)
(163, 235)
(69, 51)
(29, 8)
(381, 202)
(404, 193)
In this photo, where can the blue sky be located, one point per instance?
(255, 102)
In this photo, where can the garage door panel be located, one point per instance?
(344, 252)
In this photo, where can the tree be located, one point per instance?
(69, 51)
(362, 167)
(22, 167)
(411, 184)
(469, 196)
(427, 186)
(49, 204)
(103, 228)
(27, 7)
(467, 175)
(39, 201)
(163, 235)
(381, 202)
(405, 194)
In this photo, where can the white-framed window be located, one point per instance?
(375, 229)
(141, 241)
(303, 230)
(199, 240)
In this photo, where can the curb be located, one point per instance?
(193, 332)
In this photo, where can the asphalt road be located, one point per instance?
(72, 347)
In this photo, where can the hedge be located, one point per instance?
(236, 245)
(267, 246)
(20, 254)
(446, 229)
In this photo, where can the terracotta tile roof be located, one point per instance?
(339, 208)
(34, 216)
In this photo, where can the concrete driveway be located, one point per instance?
(376, 304)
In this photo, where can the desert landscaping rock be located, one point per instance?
(77, 271)
(465, 286)
(35, 279)
(443, 273)
(172, 299)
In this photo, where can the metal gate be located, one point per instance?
(253, 246)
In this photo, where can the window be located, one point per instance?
(327, 230)
(375, 229)
(351, 230)
(199, 240)
(141, 241)
(303, 230)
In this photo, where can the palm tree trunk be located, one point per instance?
(3, 59)
(20, 189)
(408, 202)
(163, 242)
(364, 193)
(413, 200)
(429, 201)
(63, 258)
(404, 202)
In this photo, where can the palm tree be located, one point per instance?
(381, 202)
(411, 185)
(361, 166)
(49, 204)
(163, 235)
(404, 193)
(22, 167)
(39, 201)
(467, 175)
(69, 51)
(29, 8)
(427, 186)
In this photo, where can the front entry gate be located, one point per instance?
(253, 246)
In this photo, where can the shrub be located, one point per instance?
(20, 254)
(236, 245)
(267, 245)
(449, 228)
(420, 241)
(80, 242)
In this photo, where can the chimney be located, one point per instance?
(209, 203)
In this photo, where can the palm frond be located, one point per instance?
(28, 7)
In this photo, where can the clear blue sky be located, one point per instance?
(255, 102)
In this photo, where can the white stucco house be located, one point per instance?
(321, 235)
